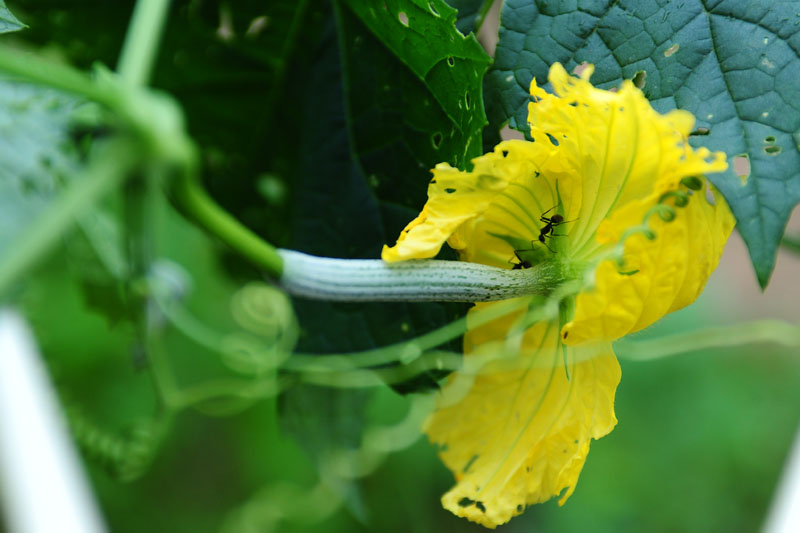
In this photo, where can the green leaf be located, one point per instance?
(733, 65)
(40, 156)
(97, 258)
(36, 152)
(237, 68)
(362, 169)
(423, 36)
(83, 34)
(8, 22)
(341, 211)
(470, 13)
(398, 131)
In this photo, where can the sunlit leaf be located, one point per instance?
(423, 36)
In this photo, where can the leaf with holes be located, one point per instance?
(734, 65)
(8, 22)
(422, 35)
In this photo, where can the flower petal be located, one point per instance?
(454, 197)
(618, 146)
(514, 214)
(518, 431)
(659, 275)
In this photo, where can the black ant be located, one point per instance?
(548, 230)
(523, 263)
(550, 224)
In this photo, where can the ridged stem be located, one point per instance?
(427, 280)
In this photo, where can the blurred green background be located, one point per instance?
(701, 439)
(699, 446)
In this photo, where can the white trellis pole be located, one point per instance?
(784, 516)
(42, 486)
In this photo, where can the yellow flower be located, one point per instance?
(612, 192)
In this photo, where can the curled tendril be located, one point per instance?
(664, 212)
(126, 456)
(248, 355)
(692, 182)
(265, 311)
(643, 229)
(681, 199)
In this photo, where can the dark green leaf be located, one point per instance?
(8, 22)
(470, 13)
(343, 211)
(339, 215)
(82, 33)
(734, 66)
(238, 69)
(398, 130)
(422, 35)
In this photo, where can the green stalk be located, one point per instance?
(759, 331)
(194, 202)
(32, 69)
(186, 194)
(142, 40)
(136, 60)
(426, 280)
(135, 64)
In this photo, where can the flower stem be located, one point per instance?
(194, 202)
(135, 64)
(32, 69)
(759, 331)
(142, 40)
(373, 280)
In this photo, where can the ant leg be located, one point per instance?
(545, 219)
(543, 214)
(546, 246)
(521, 261)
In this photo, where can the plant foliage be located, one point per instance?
(734, 65)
